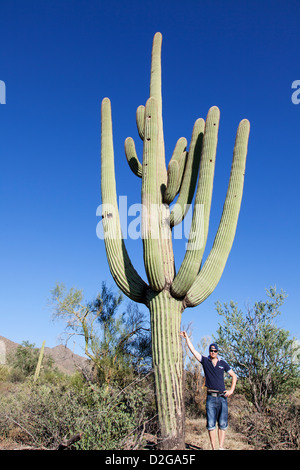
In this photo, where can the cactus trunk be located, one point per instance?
(165, 314)
(167, 294)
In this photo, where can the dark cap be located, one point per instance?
(214, 345)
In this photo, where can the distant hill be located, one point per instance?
(64, 359)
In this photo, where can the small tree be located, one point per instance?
(111, 340)
(264, 356)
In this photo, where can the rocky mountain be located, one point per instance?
(64, 359)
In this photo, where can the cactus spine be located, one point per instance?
(168, 293)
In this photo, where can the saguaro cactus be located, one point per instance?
(39, 363)
(167, 293)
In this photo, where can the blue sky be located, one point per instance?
(59, 59)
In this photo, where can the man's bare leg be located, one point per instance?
(212, 438)
(221, 435)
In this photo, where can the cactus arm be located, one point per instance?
(132, 157)
(155, 78)
(155, 92)
(210, 274)
(190, 175)
(175, 170)
(124, 274)
(130, 150)
(140, 121)
(199, 229)
(151, 199)
(154, 153)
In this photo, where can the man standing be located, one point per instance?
(216, 400)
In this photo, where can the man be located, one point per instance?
(216, 400)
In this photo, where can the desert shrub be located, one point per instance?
(118, 416)
(43, 415)
(16, 375)
(4, 373)
(276, 428)
(195, 394)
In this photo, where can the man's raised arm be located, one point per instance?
(191, 347)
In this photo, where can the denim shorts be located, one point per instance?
(216, 412)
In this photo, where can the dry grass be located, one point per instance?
(196, 437)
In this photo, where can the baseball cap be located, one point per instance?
(214, 345)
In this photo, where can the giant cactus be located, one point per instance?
(167, 293)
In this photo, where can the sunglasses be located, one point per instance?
(213, 350)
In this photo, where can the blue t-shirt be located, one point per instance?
(214, 375)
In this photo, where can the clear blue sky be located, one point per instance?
(59, 58)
